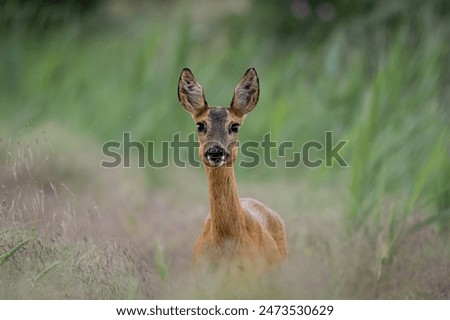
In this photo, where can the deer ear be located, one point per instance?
(190, 93)
(246, 93)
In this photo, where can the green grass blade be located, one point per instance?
(46, 270)
(4, 257)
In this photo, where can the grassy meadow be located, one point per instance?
(377, 229)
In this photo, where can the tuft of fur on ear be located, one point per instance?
(190, 93)
(246, 93)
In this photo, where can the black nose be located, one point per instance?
(216, 153)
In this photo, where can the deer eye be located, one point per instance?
(201, 127)
(234, 128)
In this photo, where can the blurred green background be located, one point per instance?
(376, 73)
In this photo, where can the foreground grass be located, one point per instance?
(51, 241)
(48, 267)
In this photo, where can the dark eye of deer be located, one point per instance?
(201, 127)
(234, 128)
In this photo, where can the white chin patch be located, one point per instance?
(215, 163)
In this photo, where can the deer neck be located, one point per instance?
(227, 216)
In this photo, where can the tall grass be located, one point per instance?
(386, 91)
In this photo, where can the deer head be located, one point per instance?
(218, 127)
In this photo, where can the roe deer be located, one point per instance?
(238, 234)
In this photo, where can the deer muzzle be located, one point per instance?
(216, 155)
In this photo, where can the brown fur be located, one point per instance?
(238, 234)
